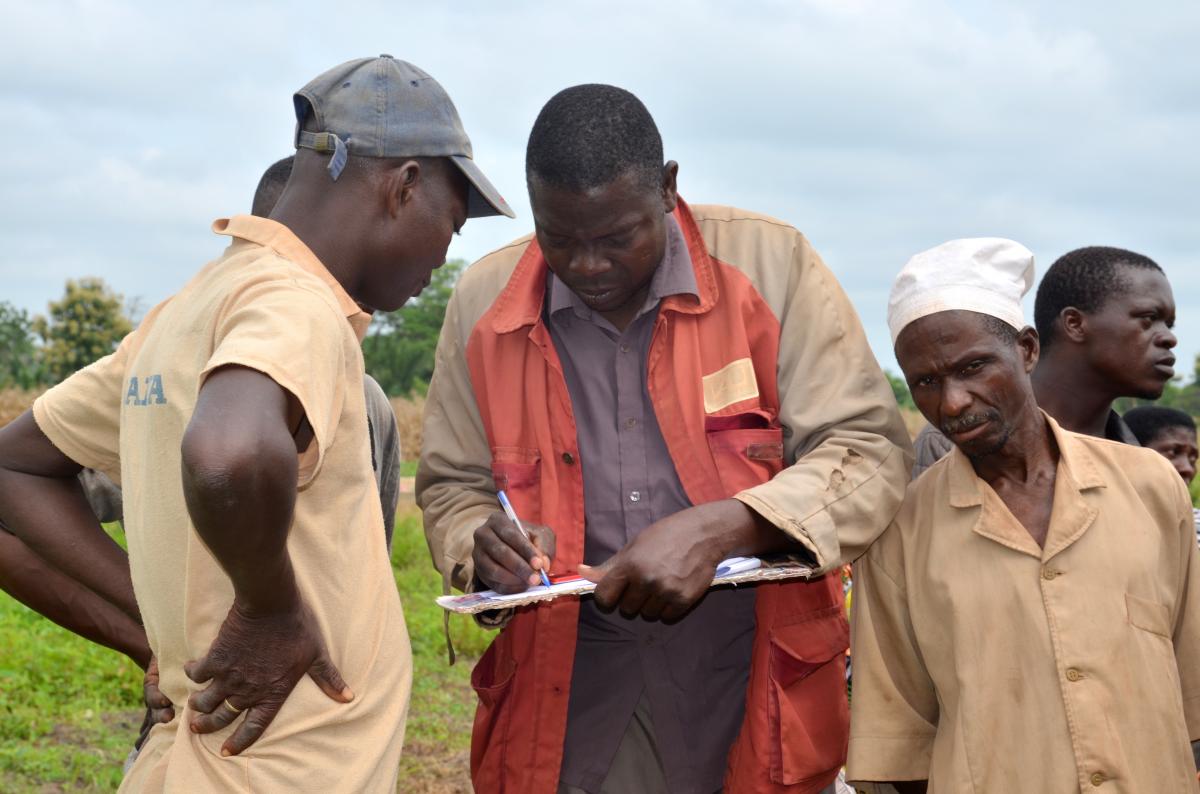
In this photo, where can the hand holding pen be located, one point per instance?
(512, 516)
(511, 556)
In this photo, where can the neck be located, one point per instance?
(328, 241)
(1069, 390)
(1029, 450)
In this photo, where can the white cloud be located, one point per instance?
(878, 128)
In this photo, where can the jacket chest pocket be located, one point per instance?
(747, 449)
(517, 472)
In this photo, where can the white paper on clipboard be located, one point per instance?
(734, 570)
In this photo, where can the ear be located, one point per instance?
(670, 195)
(1074, 324)
(1030, 346)
(399, 186)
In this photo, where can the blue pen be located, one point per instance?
(512, 516)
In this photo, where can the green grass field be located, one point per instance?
(69, 710)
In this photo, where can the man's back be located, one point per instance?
(256, 309)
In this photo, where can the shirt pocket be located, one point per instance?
(517, 472)
(747, 449)
(809, 714)
(1149, 615)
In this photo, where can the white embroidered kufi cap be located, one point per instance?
(988, 275)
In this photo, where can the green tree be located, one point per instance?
(87, 324)
(20, 362)
(900, 390)
(399, 350)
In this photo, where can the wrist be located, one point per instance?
(270, 590)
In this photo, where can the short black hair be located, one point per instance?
(1084, 278)
(589, 135)
(270, 186)
(1148, 421)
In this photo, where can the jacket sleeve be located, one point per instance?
(894, 709)
(849, 451)
(454, 487)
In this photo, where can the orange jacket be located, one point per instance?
(713, 369)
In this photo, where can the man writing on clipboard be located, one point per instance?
(656, 387)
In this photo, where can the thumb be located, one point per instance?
(327, 677)
(595, 573)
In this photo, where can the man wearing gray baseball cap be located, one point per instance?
(258, 574)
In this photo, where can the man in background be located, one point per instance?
(1172, 434)
(1104, 317)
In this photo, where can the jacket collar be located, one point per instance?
(279, 238)
(519, 304)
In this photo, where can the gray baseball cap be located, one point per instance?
(383, 107)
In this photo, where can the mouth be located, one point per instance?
(596, 297)
(1166, 367)
(970, 433)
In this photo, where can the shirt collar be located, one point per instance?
(1115, 429)
(675, 276)
(280, 239)
(1074, 457)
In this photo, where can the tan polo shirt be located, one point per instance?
(267, 303)
(988, 664)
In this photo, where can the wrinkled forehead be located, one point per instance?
(946, 330)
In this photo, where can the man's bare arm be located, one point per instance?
(239, 479)
(42, 504)
(48, 591)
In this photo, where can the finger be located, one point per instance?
(162, 715)
(611, 588)
(154, 697)
(508, 568)
(206, 700)
(507, 534)
(496, 576)
(654, 607)
(221, 717)
(330, 680)
(257, 720)
(198, 670)
(545, 541)
(633, 598)
(595, 573)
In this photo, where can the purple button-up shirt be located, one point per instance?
(693, 672)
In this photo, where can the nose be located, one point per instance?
(587, 263)
(1166, 339)
(955, 398)
(1186, 468)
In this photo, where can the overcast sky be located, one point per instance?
(877, 128)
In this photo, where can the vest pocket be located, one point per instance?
(809, 714)
(746, 449)
(517, 472)
(491, 679)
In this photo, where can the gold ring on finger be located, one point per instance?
(231, 707)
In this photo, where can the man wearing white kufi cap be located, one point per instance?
(1031, 619)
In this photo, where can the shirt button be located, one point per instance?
(1073, 674)
(568, 458)
(624, 348)
(635, 496)
(1098, 779)
(631, 423)
(1049, 573)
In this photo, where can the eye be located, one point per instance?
(924, 383)
(973, 367)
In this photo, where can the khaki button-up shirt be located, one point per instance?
(985, 663)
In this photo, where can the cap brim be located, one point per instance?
(482, 199)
